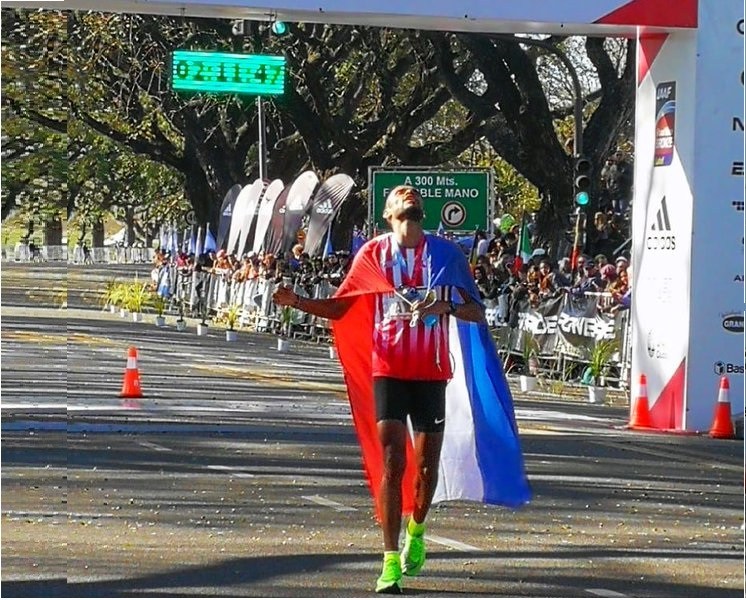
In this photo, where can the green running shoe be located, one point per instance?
(390, 580)
(413, 554)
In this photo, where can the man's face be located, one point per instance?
(404, 203)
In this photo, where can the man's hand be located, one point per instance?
(425, 307)
(284, 296)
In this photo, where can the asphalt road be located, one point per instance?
(238, 474)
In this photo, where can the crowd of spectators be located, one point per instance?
(504, 281)
(295, 267)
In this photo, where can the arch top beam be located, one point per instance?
(563, 17)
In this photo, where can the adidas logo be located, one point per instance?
(738, 205)
(228, 211)
(661, 236)
(662, 222)
(324, 208)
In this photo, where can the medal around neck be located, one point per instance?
(411, 295)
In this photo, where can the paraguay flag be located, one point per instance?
(481, 458)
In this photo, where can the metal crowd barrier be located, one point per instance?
(22, 253)
(108, 255)
(201, 294)
(205, 295)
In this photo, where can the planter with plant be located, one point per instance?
(530, 353)
(159, 305)
(230, 316)
(286, 324)
(138, 297)
(181, 322)
(112, 295)
(599, 358)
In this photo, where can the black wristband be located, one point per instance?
(452, 306)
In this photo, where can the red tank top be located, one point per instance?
(400, 350)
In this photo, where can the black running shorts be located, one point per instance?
(423, 401)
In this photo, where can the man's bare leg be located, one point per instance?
(427, 456)
(393, 436)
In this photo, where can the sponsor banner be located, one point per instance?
(243, 215)
(246, 239)
(266, 211)
(273, 238)
(567, 325)
(226, 213)
(662, 220)
(665, 122)
(326, 204)
(297, 206)
(239, 209)
(717, 238)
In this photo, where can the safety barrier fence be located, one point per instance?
(107, 255)
(565, 329)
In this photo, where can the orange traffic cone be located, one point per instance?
(722, 425)
(131, 386)
(640, 417)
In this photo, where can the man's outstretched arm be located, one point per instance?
(327, 308)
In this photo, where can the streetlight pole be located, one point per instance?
(262, 139)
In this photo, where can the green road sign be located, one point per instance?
(220, 72)
(460, 200)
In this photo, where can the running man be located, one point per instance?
(391, 319)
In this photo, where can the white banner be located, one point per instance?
(716, 346)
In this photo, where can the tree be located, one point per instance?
(34, 132)
(358, 97)
(519, 121)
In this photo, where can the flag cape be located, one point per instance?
(481, 458)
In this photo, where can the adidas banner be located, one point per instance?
(226, 212)
(325, 206)
(248, 224)
(266, 211)
(297, 206)
(273, 237)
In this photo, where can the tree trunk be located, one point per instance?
(129, 221)
(98, 234)
(53, 232)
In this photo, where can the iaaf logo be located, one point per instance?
(722, 368)
(661, 236)
(733, 322)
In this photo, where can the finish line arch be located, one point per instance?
(688, 207)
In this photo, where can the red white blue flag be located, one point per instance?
(481, 458)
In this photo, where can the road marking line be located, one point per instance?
(330, 503)
(673, 455)
(153, 446)
(52, 514)
(605, 593)
(451, 543)
(234, 472)
(642, 482)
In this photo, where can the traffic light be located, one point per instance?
(279, 28)
(582, 180)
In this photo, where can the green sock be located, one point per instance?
(415, 528)
(391, 555)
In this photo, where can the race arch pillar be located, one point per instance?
(688, 217)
